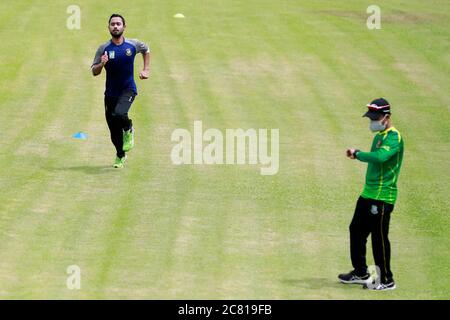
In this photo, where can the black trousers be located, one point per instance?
(371, 217)
(116, 113)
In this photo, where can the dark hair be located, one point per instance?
(116, 15)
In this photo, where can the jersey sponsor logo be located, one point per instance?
(111, 54)
(374, 209)
(128, 52)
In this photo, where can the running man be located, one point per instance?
(117, 57)
(374, 206)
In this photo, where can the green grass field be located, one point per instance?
(158, 231)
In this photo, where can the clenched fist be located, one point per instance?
(351, 153)
(104, 59)
(144, 74)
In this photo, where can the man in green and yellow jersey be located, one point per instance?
(374, 206)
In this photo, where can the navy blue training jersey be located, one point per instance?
(120, 65)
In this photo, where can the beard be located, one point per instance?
(116, 33)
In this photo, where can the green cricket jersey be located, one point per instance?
(384, 162)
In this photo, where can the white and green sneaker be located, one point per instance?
(381, 286)
(119, 162)
(128, 140)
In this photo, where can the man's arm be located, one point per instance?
(144, 74)
(381, 155)
(100, 59)
(142, 47)
(390, 147)
(97, 67)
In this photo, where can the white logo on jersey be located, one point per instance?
(111, 54)
(374, 209)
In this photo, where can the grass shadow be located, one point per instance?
(101, 169)
(313, 283)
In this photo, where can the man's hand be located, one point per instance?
(144, 74)
(104, 59)
(351, 153)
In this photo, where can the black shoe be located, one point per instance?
(352, 277)
(381, 286)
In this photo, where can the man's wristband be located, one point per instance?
(355, 153)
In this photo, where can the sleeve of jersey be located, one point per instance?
(388, 148)
(98, 55)
(141, 47)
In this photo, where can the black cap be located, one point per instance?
(376, 108)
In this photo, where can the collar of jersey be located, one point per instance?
(385, 131)
(117, 45)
